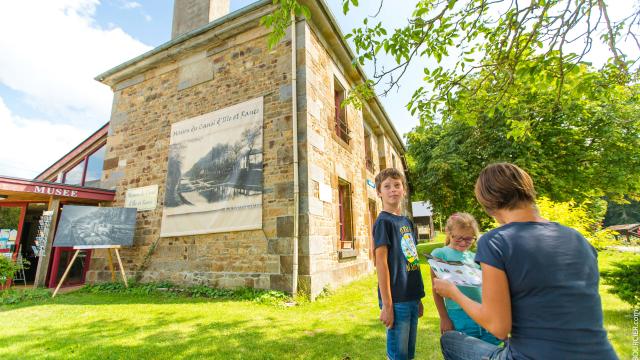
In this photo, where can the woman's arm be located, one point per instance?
(494, 314)
(386, 315)
(445, 321)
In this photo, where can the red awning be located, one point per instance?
(21, 190)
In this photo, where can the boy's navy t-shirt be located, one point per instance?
(398, 234)
(553, 281)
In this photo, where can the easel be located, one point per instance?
(86, 247)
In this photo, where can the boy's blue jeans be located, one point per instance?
(401, 338)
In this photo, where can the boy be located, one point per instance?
(400, 287)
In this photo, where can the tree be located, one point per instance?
(622, 213)
(9, 217)
(580, 146)
(492, 37)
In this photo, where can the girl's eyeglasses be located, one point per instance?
(460, 239)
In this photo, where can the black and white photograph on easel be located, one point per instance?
(214, 177)
(91, 226)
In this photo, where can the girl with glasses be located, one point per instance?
(461, 232)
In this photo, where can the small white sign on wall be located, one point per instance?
(316, 173)
(316, 140)
(326, 193)
(142, 198)
(316, 207)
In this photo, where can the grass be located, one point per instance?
(342, 325)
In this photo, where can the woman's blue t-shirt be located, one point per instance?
(553, 281)
(397, 233)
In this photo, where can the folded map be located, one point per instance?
(456, 272)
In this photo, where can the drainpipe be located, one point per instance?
(296, 187)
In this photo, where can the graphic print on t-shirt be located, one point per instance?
(409, 248)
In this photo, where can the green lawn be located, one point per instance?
(118, 326)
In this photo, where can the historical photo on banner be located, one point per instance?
(214, 179)
(89, 226)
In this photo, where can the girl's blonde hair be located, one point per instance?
(460, 220)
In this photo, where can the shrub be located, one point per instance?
(625, 280)
(8, 268)
(270, 297)
(586, 218)
(134, 288)
(12, 296)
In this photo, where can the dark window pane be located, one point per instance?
(74, 176)
(341, 124)
(94, 168)
(345, 216)
(77, 269)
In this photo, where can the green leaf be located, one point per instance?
(306, 12)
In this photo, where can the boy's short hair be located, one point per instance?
(504, 186)
(390, 173)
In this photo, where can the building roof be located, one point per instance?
(325, 22)
(421, 208)
(623, 227)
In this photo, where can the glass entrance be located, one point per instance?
(62, 256)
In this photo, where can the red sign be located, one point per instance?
(50, 190)
(47, 189)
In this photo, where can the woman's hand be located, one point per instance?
(446, 325)
(444, 288)
(420, 309)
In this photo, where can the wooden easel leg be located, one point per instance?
(66, 272)
(113, 272)
(121, 268)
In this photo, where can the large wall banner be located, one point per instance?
(214, 179)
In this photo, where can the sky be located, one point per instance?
(51, 50)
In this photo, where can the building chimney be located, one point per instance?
(192, 14)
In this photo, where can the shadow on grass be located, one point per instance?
(343, 325)
(211, 339)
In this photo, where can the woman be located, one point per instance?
(540, 281)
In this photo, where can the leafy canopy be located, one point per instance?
(492, 37)
(514, 87)
(579, 146)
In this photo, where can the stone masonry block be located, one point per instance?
(286, 264)
(194, 73)
(279, 246)
(285, 92)
(284, 156)
(285, 226)
(281, 282)
(284, 190)
(110, 163)
(129, 82)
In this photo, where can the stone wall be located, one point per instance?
(206, 78)
(330, 159)
(212, 71)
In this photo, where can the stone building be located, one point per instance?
(317, 158)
